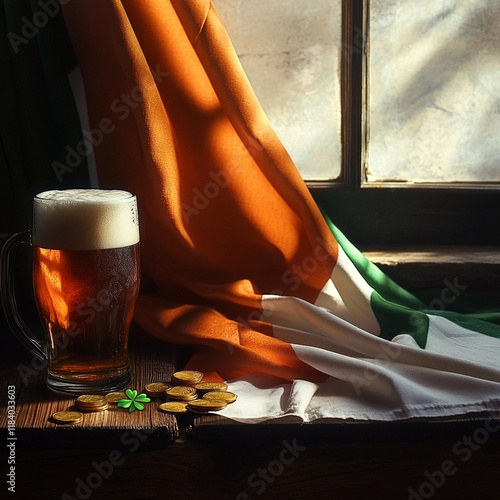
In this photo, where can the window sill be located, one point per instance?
(418, 267)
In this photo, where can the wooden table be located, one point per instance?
(152, 455)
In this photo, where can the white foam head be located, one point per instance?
(85, 219)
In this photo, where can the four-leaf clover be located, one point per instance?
(134, 402)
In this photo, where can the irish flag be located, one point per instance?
(237, 259)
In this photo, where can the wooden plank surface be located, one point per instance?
(150, 361)
(148, 455)
(284, 466)
(434, 266)
(437, 254)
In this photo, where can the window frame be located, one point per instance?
(394, 212)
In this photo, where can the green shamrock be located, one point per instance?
(134, 402)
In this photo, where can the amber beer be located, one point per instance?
(86, 280)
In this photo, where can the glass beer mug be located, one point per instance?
(85, 281)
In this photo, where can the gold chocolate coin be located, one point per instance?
(157, 389)
(92, 409)
(103, 407)
(173, 407)
(68, 417)
(91, 400)
(202, 405)
(182, 393)
(204, 387)
(187, 377)
(114, 397)
(228, 397)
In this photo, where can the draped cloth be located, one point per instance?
(237, 260)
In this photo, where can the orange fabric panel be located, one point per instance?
(226, 348)
(225, 216)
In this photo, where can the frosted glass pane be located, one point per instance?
(290, 51)
(434, 95)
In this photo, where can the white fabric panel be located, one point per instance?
(347, 295)
(370, 378)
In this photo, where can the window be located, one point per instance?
(390, 109)
(291, 52)
(433, 91)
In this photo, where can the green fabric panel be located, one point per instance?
(463, 301)
(396, 310)
(490, 317)
(399, 312)
(395, 319)
(472, 322)
(372, 274)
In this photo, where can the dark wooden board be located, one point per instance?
(150, 361)
(155, 456)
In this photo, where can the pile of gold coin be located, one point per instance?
(182, 393)
(190, 393)
(186, 392)
(91, 403)
(88, 403)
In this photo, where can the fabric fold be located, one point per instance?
(240, 262)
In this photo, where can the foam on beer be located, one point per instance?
(85, 219)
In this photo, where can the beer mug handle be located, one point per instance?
(9, 303)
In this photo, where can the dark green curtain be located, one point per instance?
(40, 131)
(39, 123)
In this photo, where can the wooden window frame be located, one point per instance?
(395, 213)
